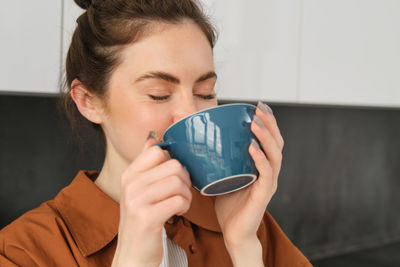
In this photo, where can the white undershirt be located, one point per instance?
(174, 255)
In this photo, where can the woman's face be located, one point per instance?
(162, 78)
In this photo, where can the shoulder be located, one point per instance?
(43, 220)
(37, 232)
(278, 250)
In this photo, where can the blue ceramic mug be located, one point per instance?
(212, 145)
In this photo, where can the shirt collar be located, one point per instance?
(93, 217)
(202, 212)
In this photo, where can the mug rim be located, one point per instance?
(207, 109)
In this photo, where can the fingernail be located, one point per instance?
(258, 121)
(153, 135)
(264, 108)
(255, 144)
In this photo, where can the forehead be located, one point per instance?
(171, 48)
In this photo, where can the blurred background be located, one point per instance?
(330, 70)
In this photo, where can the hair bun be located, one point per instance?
(85, 4)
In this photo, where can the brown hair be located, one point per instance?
(101, 33)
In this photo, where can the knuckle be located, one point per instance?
(181, 185)
(274, 187)
(282, 143)
(189, 194)
(180, 201)
(253, 126)
(158, 152)
(186, 207)
(186, 172)
(270, 119)
(175, 165)
(188, 180)
(187, 203)
(175, 182)
(181, 204)
(279, 157)
(155, 152)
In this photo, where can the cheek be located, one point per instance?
(134, 118)
(128, 129)
(151, 119)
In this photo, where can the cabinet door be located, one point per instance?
(257, 51)
(30, 46)
(350, 52)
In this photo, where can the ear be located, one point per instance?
(87, 103)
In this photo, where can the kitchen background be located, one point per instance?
(330, 70)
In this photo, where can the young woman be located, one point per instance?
(135, 67)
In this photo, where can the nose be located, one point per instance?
(184, 107)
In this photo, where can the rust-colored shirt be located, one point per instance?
(79, 227)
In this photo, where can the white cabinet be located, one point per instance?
(30, 45)
(350, 52)
(256, 53)
(341, 52)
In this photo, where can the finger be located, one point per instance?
(170, 167)
(148, 159)
(166, 188)
(265, 115)
(175, 205)
(267, 180)
(268, 143)
(152, 139)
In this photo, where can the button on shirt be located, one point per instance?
(79, 227)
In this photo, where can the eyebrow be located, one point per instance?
(171, 78)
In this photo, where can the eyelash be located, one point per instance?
(161, 98)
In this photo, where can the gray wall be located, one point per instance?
(338, 186)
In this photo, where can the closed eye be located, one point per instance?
(210, 96)
(165, 97)
(159, 98)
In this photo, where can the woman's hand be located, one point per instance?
(240, 213)
(153, 189)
